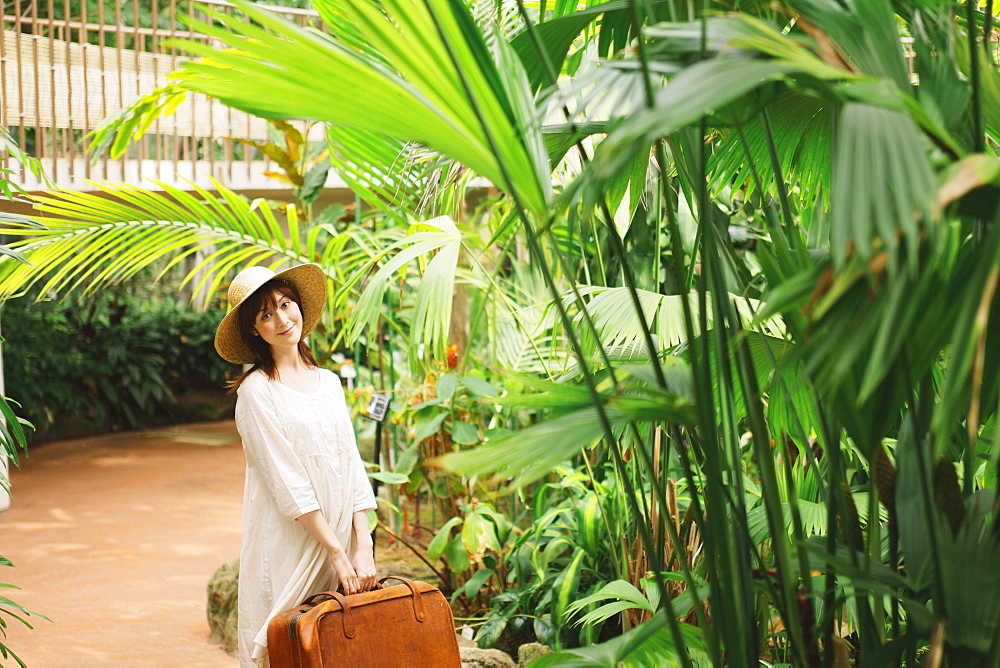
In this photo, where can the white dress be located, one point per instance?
(301, 456)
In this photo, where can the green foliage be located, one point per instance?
(117, 360)
(10, 147)
(568, 548)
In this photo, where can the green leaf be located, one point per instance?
(556, 37)
(437, 545)
(464, 433)
(649, 644)
(446, 386)
(432, 307)
(478, 386)
(313, 182)
(441, 88)
(16, 435)
(475, 583)
(96, 239)
(566, 586)
(407, 460)
(490, 631)
(604, 613)
(529, 454)
(619, 589)
(428, 427)
(456, 556)
(389, 477)
(884, 190)
(700, 88)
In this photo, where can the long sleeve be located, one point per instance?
(362, 496)
(364, 499)
(269, 453)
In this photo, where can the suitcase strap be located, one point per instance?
(418, 601)
(346, 617)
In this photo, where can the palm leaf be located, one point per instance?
(444, 90)
(557, 35)
(651, 644)
(801, 126)
(867, 33)
(883, 185)
(432, 307)
(380, 168)
(527, 455)
(942, 91)
(614, 316)
(98, 239)
(531, 453)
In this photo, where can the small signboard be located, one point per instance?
(378, 407)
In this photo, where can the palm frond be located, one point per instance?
(443, 90)
(883, 185)
(522, 328)
(652, 643)
(381, 169)
(95, 240)
(432, 307)
(618, 324)
(867, 34)
(801, 126)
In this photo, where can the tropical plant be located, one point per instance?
(566, 551)
(118, 359)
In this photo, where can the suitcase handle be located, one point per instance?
(347, 619)
(418, 601)
(326, 595)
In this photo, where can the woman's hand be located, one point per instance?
(346, 575)
(316, 524)
(364, 566)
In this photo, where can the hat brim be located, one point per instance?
(311, 284)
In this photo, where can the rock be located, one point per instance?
(473, 657)
(531, 651)
(465, 642)
(222, 607)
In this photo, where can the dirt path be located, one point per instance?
(115, 538)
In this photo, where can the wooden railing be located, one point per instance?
(65, 67)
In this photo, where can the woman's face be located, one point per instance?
(280, 326)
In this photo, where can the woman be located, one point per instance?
(306, 497)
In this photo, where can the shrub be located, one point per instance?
(113, 359)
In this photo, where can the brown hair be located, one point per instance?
(263, 297)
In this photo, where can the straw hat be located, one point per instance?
(308, 280)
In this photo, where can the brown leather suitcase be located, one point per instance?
(404, 625)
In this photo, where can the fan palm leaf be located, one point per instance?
(865, 33)
(882, 184)
(618, 324)
(801, 129)
(523, 335)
